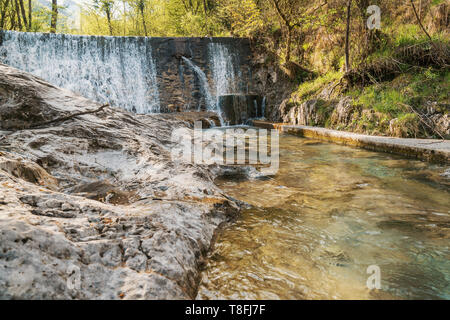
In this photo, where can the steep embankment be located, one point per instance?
(403, 95)
(391, 80)
(93, 206)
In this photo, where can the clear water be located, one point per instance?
(329, 213)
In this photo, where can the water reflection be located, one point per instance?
(329, 213)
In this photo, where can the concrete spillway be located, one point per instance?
(139, 74)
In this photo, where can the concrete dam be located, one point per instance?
(143, 74)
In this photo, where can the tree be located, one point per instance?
(106, 6)
(285, 10)
(54, 18)
(292, 14)
(4, 10)
(17, 10)
(419, 21)
(29, 14)
(347, 37)
(24, 16)
(141, 8)
(242, 17)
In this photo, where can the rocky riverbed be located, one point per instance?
(92, 205)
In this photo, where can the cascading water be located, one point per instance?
(118, 70)
(263, 107)
(222, 66)
(204, 86)
(211, 103)
(142, 75)
(235, 105)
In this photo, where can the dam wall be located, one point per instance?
(139, 74)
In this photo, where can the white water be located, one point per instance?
(223, 71)
(117, 70)
(263, 107)
(223, 74)
(211, 104)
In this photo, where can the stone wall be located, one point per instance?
(139, 74)
(179, 86)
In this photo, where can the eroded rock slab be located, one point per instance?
(94, 207)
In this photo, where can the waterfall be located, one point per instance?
(263, 107)
(223, 72)
(204, 86)
(223, 69)
(117, 70)
(211, 103)
(139, 74)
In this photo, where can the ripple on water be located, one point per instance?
(329, 213)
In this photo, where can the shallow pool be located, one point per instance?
(329, 213)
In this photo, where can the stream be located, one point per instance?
(329, 213)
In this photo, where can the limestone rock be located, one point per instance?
(343, 111)
(442, 124)
(56, 242)
(309, 113)
(28, 171)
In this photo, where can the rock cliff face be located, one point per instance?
(93, 206)
(271, 82)
(343, 114)
(330, 107)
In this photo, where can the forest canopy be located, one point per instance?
(311, 33)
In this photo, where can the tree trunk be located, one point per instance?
(124, 18)
(19, 20)
(420, 22)
(3, 14)
(288, 44)
(54, 16)
(30, 10)
(24, 16)
(288, 26)
(12, 20)
(205, 10)
(108, 17)
(347, 38)
(143, 20)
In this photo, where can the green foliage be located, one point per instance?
(310, 88)
(410, 34)
(413, 89)
(384, 100)
(243, 16)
